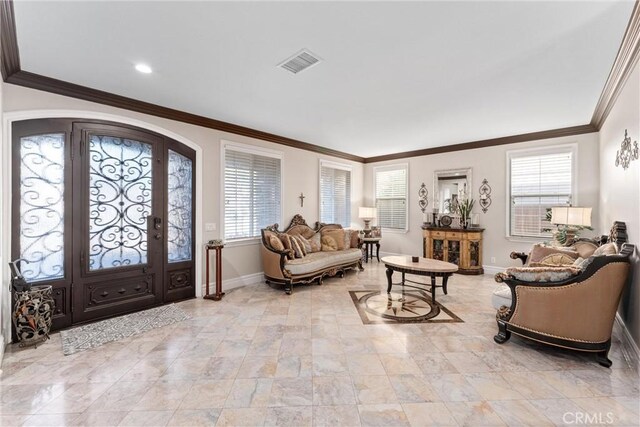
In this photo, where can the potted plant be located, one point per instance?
(465, 208)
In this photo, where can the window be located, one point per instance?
(538, 180)
(391, 184)
(335, 193)
(252, 190)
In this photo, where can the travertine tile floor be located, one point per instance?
(261, 357)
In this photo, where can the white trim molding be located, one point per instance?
(240, 281)
(629, 348)
(493, 269)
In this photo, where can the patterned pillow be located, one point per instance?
(355, 239)
(300, 241)
(306, 245)
(333, 240)
(585, 249)
(315, 243)
(347, 238)
(288, 246)
(553, 260)
(539, 252)
(297, 250)
(606, 249)
(543, 274)
(276, 243)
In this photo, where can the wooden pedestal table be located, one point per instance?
(219, 294)
(424, 267)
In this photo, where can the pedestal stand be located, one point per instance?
(219, 294)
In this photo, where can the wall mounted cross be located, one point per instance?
(301, 197)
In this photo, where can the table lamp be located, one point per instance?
(570, 220)
(367, 214)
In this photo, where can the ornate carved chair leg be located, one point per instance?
(503, 334)
(288, 287)
(602, 357)
(360, 267)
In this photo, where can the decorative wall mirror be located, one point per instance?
(448, 187)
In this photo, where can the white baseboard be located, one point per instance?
(237, 282)
(630, 349)
(3, 346)
(391, 254)
(492, 269)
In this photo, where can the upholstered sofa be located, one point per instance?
(301, 254)
(572, 305)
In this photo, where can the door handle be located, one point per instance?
(157, 223)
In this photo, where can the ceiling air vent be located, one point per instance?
(300, 61)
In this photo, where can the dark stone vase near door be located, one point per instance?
(32, 315)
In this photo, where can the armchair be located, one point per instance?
(577, 312)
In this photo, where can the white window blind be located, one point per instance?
(335, 195)
(538, 182)
(391, 197)
(252, 193)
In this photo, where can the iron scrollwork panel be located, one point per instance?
(179, 207)
(42, 206)
(120, 200)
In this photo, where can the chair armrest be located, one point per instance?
(273, 262)
(519, 255)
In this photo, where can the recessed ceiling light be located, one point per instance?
(143, 68)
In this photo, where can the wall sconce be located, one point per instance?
(627, 152)
(485, 195)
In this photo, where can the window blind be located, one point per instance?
(391, 198)
(537, 183)
(252, 193)
(335, 196)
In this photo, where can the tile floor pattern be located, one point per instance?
(261, 357)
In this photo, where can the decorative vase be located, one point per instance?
(33, 314)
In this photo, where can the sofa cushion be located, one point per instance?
(321, 260)
(606, 249)
(276, 243)
(540, 252)
(295, 246)
(306, 245)
(584, 249)
(332, 240)
(543, 274)
(501, 296)
(315, 242)
(301, 243)
(288, 246)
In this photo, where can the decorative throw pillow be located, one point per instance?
(606, 249)
(276, 243)
(543, 274)
(355, 239)
(333, 240)
(347, 239)
(584, 249)
(306, 245)
(539, 252)
(558, 259)
(296, 247)
(300, 241)
(286, 241)
(315, 243)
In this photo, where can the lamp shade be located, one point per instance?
(571, 216)
(367, 213)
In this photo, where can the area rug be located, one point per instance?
(412, 306)
(99, 333)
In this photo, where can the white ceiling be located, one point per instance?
(394, 77)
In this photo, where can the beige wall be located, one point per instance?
(620, 189)
(300, 170)
(489, 163)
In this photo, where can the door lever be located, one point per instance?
(157, 223)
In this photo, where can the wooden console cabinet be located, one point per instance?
(459, 246)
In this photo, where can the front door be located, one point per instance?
(119, 231)
(104, 213)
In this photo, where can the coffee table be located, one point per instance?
(424, 267)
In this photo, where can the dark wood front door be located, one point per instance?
(119, 220)
(104, 214)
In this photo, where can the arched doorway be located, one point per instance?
(105, 213)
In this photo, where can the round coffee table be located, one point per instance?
(424, 267)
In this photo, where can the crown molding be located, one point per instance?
(513, 139)
(626, 59)
(10, 62)
(11, 73)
